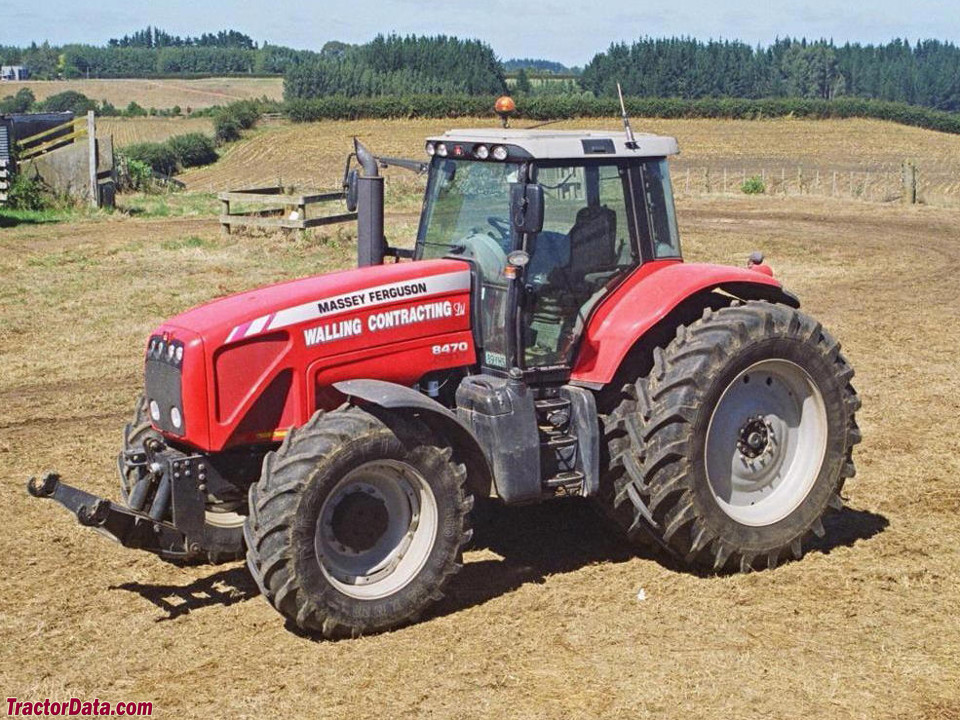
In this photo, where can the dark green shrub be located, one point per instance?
(225, 128)
(245, 112)
(230, 120)
(158, 156)
(22, 102)
(26, 193)
(753, 186)
(71, 101)
(134, 110)
(133, 174)
(193, 149)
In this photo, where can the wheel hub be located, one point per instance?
(359, 520)
(753, 438)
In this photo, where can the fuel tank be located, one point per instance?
(242, 369)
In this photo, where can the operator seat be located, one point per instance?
(593, 241)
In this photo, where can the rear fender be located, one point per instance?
(442, 421)
(649, 296)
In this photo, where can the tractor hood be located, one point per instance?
(242, 369)
(238, 317)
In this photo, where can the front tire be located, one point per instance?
(357, 523)
(738, 441)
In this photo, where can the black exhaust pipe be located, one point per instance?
(371, 244)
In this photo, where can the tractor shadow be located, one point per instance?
(222, 588)
(531, 543)
(846, 528)
(536, 542)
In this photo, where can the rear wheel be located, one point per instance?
(357, 523)
(224, 521)
(738, 441)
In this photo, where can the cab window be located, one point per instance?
(585, 248)
(659, 226)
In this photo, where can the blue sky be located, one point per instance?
(568, 32)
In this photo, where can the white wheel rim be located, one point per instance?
(766, 442)
(376, 529)
(224, 519)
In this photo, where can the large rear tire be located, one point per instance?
(738, 441)
(357, 523)
(224, 525)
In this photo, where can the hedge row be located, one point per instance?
(561, 107)
(174, 154)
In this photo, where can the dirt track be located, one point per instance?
(544, 621)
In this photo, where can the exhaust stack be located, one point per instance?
(371, 244)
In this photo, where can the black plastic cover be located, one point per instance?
(162, 384)
(598, 146)
(502, 415)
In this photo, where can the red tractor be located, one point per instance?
(543, 339)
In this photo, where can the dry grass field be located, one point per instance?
(127, 131)
(858, 151)
(544, 620)
(158, 94)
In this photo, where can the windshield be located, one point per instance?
(466, 199)
(467, 207)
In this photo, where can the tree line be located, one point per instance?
(394, 65)
(47, 62)
(151, 37)
(926, 73)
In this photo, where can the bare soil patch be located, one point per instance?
(544, 620)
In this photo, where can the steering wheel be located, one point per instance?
(500, 225)
(487, 252)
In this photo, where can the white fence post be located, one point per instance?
(92, 141)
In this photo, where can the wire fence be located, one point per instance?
(934, 183)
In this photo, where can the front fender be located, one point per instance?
(392, 396)
(647, 297)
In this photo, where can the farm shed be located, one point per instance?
(14, 72)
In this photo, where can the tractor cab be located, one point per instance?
(571, 214)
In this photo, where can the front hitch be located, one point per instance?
(130, 528)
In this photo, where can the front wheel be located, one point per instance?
(738, 441)
(357, 523)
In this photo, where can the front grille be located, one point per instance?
(162, 384)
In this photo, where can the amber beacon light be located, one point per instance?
(505, 107)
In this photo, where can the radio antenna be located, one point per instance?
(631, 140)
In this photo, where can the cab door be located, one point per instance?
(588, 245)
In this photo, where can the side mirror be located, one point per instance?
(350, 190)
(526, 207)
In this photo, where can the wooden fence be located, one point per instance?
(908, 183)
(274, 208)
(52, 138)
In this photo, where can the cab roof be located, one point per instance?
(563, 144)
